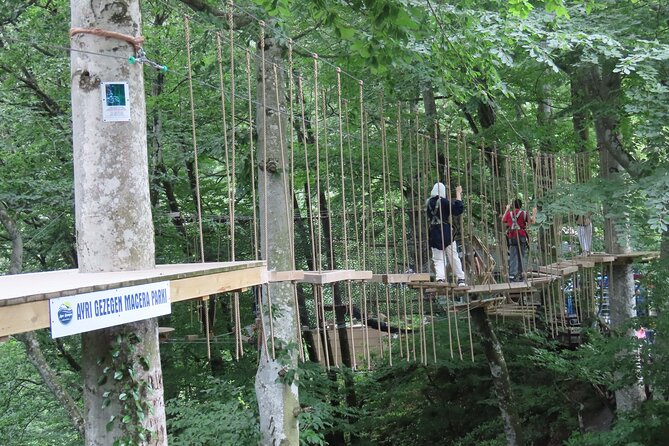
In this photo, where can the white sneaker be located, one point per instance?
(461, 282)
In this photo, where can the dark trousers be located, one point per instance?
(518, 252)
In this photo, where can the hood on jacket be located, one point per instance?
(438, 189)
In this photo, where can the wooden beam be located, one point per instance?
(193, 287)
(20, 318)
(164, 333)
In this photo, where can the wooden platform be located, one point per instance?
(24, 298)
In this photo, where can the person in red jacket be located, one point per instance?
(516, 221)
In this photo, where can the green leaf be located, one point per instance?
(345, 32)
(118, 375)
(110, 424)
(144, 363)
(123, 396)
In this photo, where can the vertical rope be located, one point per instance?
(344, 216)
(384, 149)
(256, 238)
(363, 146)
(196, 173)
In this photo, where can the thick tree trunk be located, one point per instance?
(430, 106)
(500, 378)
(113, 219)
(616, 232)
(580, 116)
(278, 401)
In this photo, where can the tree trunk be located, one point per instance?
(580, 116)
(16, 259)
(500, 378)
(277, 396)
(616, 232)
(114, 225)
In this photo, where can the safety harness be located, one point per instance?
(435, 212)
(515, 226)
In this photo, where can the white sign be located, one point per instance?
(115, 105)
(92, 311)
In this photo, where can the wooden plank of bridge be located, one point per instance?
(513, 310)
(639, 256)
(330, 276)
(401, 278)
(478, 303)
(599, 257)
(24, 298)
(561, 268)
(285, 276)
(582, 262)
(500, 287)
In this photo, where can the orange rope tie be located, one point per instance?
(136, 42)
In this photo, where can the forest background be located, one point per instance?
(518, 77)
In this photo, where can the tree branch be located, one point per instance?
(36, 357)
(239, 20)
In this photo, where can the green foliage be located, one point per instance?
(133, 392)
(30, 414)
(219, 413)
(648, 426)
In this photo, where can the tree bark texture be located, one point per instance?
(113, 210)
(500, 378)
(278, 401)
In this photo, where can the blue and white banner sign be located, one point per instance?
(101, 309)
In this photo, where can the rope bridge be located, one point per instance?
(279, 134)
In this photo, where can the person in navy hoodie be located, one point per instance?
(444, 249)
